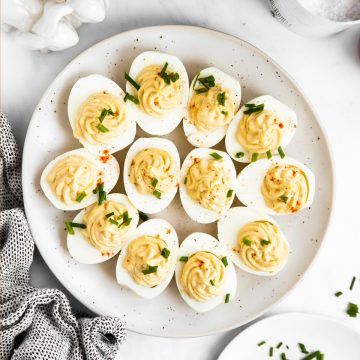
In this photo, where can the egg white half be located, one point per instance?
(152, 227)
(167, 123)
(82, 251)
(110, 174)
(284, 113)
(249, 181)
(194, 243)
(148, 203)
(196, 211)
(80, 92)
(194, 136)
(229, 228)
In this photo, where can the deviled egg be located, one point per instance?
(214, 99)
(147, 261)
(77, 178)
(98, 232)
(254, 241)
(276, 186)
(98, 115)
(207, 183)
(151, 174)
(204, 275)
(262, 128)
(157, 90)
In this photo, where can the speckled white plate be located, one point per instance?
(318, 333)
(49, 135)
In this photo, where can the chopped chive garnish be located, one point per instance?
(127, 219)
(154, 182)
(321, 357)
(143, 216)
(102, 115)
(157, 194)
(338, 293)
(114, 222)
(150, 270)
(174, 77)
(165, 253)
(102, 128)
(303, 348)
(96, 190)
(163, 70)
(239, 154)
(269, 154)
(132, 81)
(185, 181)
(212, 283)
(227, 298)
(254, 157)
(221, 98)
(77, 225)
(102, 194)
(313, 355)
(283, 356)
(278, 346)
(207, 82)
(81, 196)
(283, 199)
(352, 310)
(252, 108)
(224, 261)
(195, 81)
(281, 152)
(184, 258)
(261, 343)
(109, 214)
(229, 193)
(134, 99)
(69, 228)
(201, 90)
(352, 283)
(246, 242)
(224, 112)
(271, 352)
(216, 156)
(265, 242)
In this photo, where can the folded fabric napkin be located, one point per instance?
(38, 323)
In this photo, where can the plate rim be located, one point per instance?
(329, 150)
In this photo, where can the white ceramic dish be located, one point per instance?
(314, 331)
(95, 286)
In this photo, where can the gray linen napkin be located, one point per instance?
(38, 323)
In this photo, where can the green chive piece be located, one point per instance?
(278, 346)
(246, 242)
(352, 310)
(185, 181)
(102, 115)
(269, 154)
(271, 352)
(154, 182)
(201, 90)
(157, 194)
(352, 282)
(69, 228)
(174, 77)
(229, 193)
(143, 216)
(283, 356)
(109, 214)
(114, 222)
(239, 154)
(224, 261)
(195, 81)
(212, 283)
(224, 112)
(261, 343)
(208, 81)
(127, 219)
(96, 190)
(338, 293)
(134, 99)
(184, 258)
(216, 156)
(303, 348)
(77, 225)
(165, 253)
(81, 196)
(221, 98)
(102, 194)
(150, 270)
(313, 355)
(227, 298)
(132, 81)
(321, 357)
(102, 128)
(254, 157)
(283, 199)
(252, 108)
(163, 70)
(281, 152)
(265, 242)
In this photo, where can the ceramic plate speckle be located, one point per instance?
(95, 286)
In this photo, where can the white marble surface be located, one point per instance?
(328, 70)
